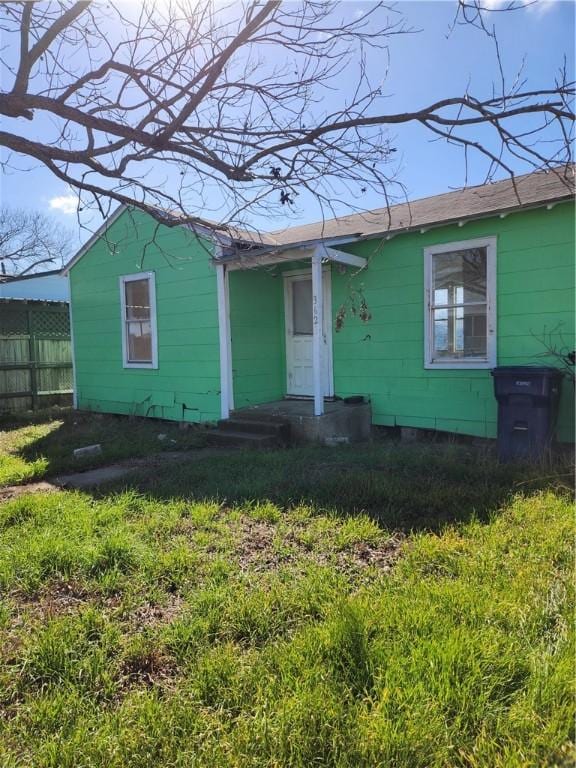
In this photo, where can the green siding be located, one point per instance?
(186, 385)
(384, 358)
(257, 330)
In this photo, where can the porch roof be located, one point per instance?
(235, 260)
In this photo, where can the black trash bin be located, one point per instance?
(528, 399)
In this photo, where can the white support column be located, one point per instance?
(226, 396)
(229, 334)
(317, 331)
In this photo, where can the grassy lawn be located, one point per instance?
(30, 450)
(293, 609)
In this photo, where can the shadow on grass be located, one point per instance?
(411, 487)
(120, 438)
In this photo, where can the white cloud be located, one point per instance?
(539, 7)
(67, 204)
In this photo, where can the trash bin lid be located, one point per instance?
(526, 370)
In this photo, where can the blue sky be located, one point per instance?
(424, 67)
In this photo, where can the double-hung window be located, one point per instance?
(138, 302)
(460, 304)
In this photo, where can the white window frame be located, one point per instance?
(491, 339)
(151, 277)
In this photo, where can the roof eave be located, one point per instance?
(91, 240)
(30, 276)
(218, 237)
(389, 233)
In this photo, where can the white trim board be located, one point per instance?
(225, 342)
(340, 257)
(280, 256)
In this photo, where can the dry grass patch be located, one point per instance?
(264, 546)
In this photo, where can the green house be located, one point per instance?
(409, 306)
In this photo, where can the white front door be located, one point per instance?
(298, 311)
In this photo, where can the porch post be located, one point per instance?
(317, 331)
(226, 391)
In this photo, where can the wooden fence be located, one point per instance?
(35, 355)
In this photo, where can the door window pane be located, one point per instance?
(302, 307)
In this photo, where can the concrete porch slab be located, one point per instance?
(340, 422)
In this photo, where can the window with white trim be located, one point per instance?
(460, 327)
(138, 302)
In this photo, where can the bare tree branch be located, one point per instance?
(29, 240)
(159, 105)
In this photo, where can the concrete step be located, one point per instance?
(259, 416)
(279, 429)
(228, 437)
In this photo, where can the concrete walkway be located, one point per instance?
(92, 478)
(108, 474)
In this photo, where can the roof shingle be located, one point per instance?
(472, 202)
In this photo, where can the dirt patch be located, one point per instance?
(64, 598)
(57, 599)
(382, 555)
(151, 668)
(146, 667)
(260, 548)
(150, 615)
(13, 491)
(54, 599)
(255, 546)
